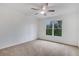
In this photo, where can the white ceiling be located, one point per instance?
(25, 8)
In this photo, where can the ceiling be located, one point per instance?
(25, 8)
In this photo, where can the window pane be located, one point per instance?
(58, 24)
(49, 28)
(49, 31)
(49, 25)
(57, 32)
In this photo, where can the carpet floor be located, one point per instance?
(40, 48)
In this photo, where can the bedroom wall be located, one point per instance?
(77, 24)
(15, 27)
(69, 27)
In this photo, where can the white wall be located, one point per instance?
(77, 23)
(16, 28)
(69, 27)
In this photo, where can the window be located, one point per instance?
(54, 28)
(49, 29)
(58, 28)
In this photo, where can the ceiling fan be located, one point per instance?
(43, 10)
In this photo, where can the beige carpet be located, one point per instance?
(40, 48)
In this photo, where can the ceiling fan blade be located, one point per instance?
(34, 9)
(35, 13)
(51, 10)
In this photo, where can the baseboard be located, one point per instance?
(11, 45)
(58, 42)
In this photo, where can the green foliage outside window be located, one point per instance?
(48, 31)
(57, 32)
(54, 28)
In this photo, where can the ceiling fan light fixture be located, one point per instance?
(42, 12)
(44, 8)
